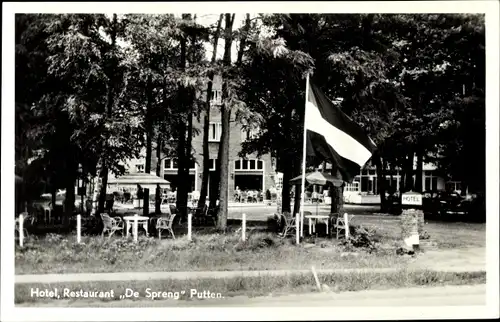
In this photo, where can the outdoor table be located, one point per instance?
(312, 228)
(137, 220)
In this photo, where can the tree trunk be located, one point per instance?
(243, 40)
(419, 172)
(181, 146)
(285, 158)
(147, 169)
(336, 193)
(181, 201)
(69, 200)
(206, 125)
(296, 203)
(409, 172)
(206, 151)
(109, 109)
(95, 192)
(225, 116)
(104, 186)
(285, 193)
(149, 141)
(380, 182)
(158, 174)
(188, 156)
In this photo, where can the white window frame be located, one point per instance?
(429, 174)
(170, 162)
(216, 96)
(218, 132)
(138, 167)
(212, 168)
(248, 169)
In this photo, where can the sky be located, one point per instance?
(208, 20)
(211, 19)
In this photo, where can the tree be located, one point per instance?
(70, 123)
(206, 122)
(225, 119)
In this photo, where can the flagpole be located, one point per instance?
(303, 190)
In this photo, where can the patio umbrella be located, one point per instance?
(319, 178)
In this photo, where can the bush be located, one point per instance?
(275, 224)
(361, 237)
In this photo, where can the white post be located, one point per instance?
(190, 217)
(302, 219)
(263, 178)
(297, 227)
(318, 284)
(243, 226)
(21, 230)
(136, 227)
(346, 220)
(301, 227)
(78, 228)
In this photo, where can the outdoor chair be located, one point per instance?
(341, 226)
(288, 220)
(244, 196)
(111, 225)
(165, 224)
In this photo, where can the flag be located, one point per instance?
(333, 136)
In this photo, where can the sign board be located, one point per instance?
(411, 198)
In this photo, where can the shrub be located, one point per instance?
(361, 237)
(275, 224)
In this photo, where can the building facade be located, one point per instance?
(249, 173)
(364, 187)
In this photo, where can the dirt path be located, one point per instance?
(457, 260)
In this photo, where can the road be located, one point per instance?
(260, 212)
(468, 295)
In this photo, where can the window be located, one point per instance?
(249, 165)
(171, 164)
(430, 181)
(216, 97)
(215, 132)
(139, 168)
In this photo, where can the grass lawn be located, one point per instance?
(229, 287)
(446, 235)
(262, 251)
(209, 251)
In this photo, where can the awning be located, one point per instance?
(319, 178)
(145, 180)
